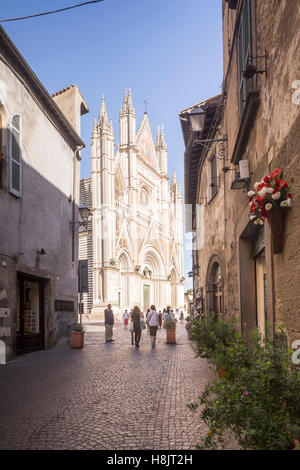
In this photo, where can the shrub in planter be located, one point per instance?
(170, 326)
(77, 336)
(257, 399)
(211, 332)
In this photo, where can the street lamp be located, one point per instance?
(85, 215)
(197, 118)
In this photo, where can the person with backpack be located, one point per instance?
(152, 321)
(136, 320)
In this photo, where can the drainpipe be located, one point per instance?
(76, 158)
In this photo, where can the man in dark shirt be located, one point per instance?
(109, 323)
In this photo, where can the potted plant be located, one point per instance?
(211, 334)
(170, 327)
(77, 336)
(257, 399)
(267, 201)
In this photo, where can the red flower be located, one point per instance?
(261, 199)
(260, 186)
(252, 207)
(266, 179)
(283, 184)
(263, 212)
(289, 196)
(275, 173)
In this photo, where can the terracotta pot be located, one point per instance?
(77, 339)
(275, 221)
(171, 336)
(221, 372)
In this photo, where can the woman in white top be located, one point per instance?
(152, 321)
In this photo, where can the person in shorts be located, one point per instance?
(152, 321)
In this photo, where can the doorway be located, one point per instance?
(261, 301)
(30, 326)
(146, 297)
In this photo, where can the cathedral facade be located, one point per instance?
(134, 242)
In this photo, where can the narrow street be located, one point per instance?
(105, 396)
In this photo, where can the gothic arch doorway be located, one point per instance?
(123, 294)
(214, 288)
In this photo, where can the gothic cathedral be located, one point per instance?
(134, 243)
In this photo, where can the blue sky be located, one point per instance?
(168, 51)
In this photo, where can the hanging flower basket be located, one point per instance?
(267, 202)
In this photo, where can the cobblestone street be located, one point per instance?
(105, 396)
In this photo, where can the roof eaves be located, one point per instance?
(40, 92)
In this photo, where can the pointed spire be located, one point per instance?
(162, 138)
(130, 107)
(124, 104)
(103, 108)
(111, 127)
(157, 144)
(174, 178)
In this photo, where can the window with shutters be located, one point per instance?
(15, 157)
(244, 55)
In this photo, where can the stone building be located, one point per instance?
(39, 195)
(134, 243)
(253, 124)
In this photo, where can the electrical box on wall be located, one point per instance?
(244, 170)
(4, 312)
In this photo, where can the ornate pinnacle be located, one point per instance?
(157, 144)
(163, 144)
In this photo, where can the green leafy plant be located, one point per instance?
(212, 333)
(257, 399)
(78, 328)
(170, 324)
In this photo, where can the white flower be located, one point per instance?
(262, 192)
(268, 207)
(289, 202)
(261, 222)
(251, 194)
(284, 204)
(257, 221)
(276, 195)
(270, 190)
(252, 217)
(256, 184)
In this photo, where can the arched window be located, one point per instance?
(15, 157)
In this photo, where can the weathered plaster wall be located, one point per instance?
(41, 217)
(274, 141)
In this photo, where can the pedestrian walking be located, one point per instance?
(125, 318)
(136, 319)
(167, 314)
(109, 323)
(160, 319)
(88, 312)
(152, 321)
(147, 313)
